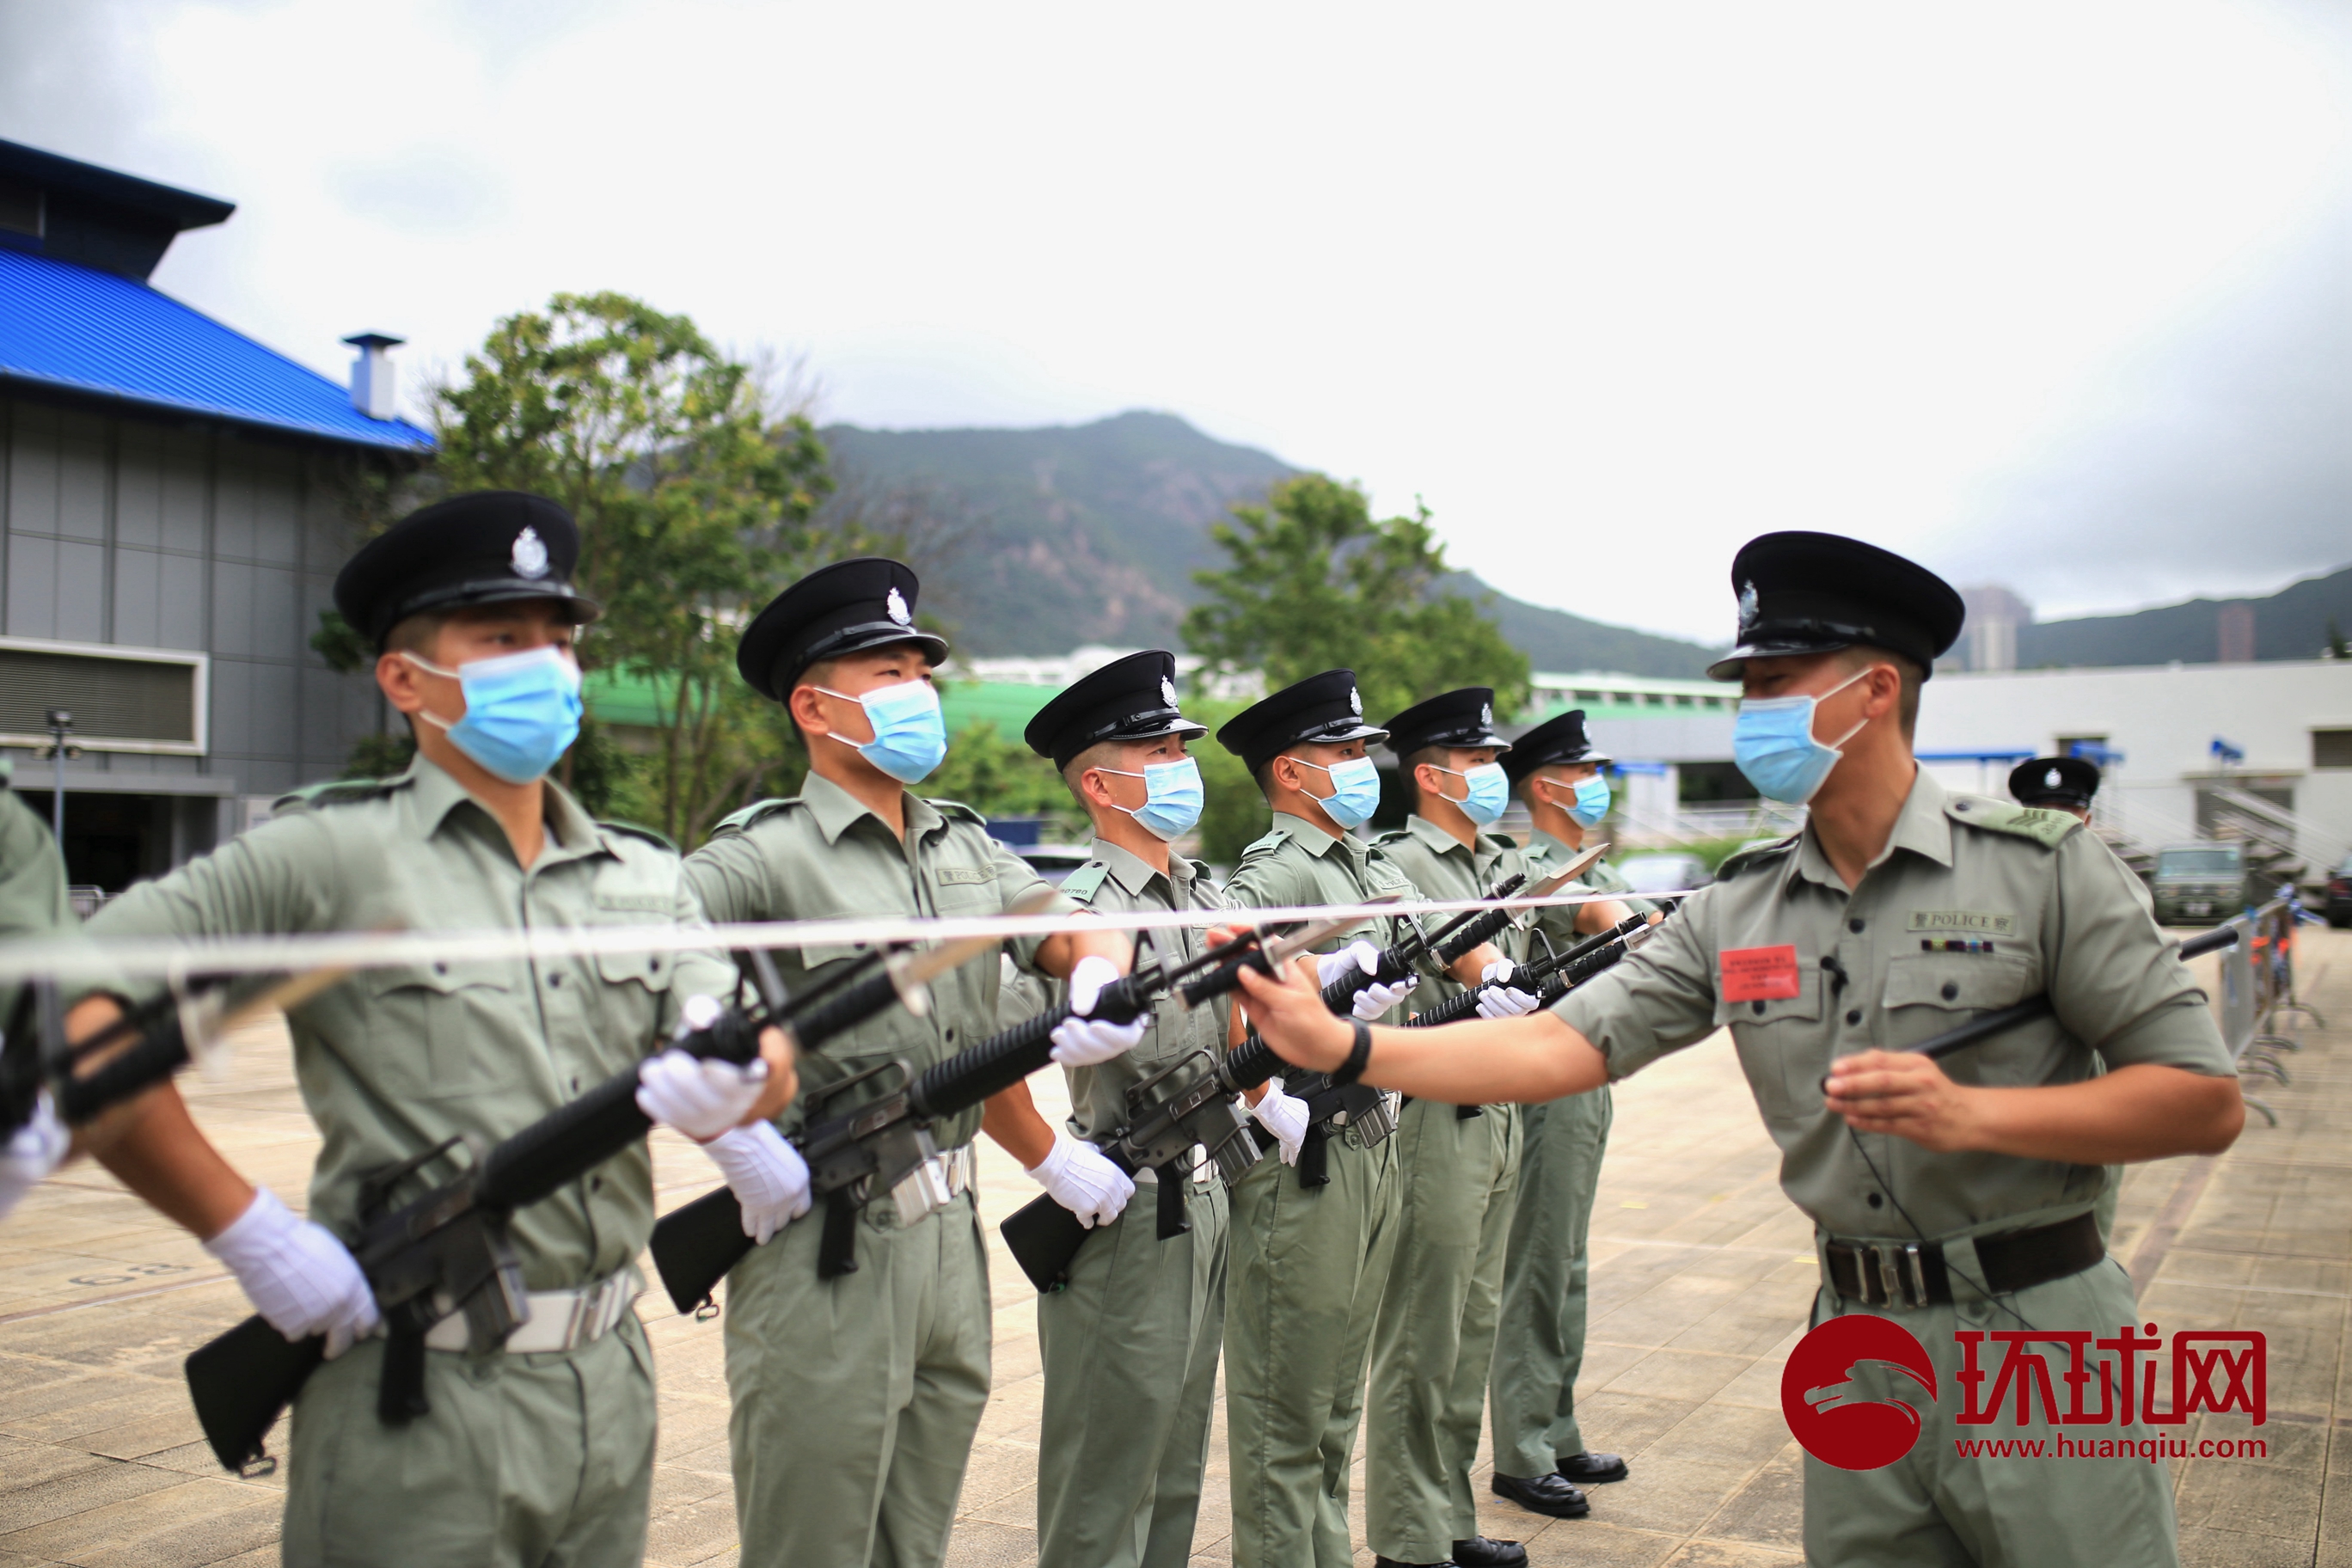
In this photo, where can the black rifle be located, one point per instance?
(885, 1146)
(1577, 964)
(1985, 1026)
(447, 1251)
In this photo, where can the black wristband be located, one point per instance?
(1358, 1060)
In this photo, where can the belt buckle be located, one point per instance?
(1892, 1273)
(922, 1192)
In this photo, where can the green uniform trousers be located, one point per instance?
(1434, 1339)
(1936, 1509)
(534, 1461)
(857, 1399)
(1308, 1266)
(1539, 1343)
(1131, 1355)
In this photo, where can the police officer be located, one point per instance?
(33, 903)
(1131, 1344)
(1457, 1175)
(1899, 910)
(857, 1398)
(1541, 1462)
(1309, 1264)
(543, 1451)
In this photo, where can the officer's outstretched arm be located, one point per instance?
(1485, 1061)
(153, 1147)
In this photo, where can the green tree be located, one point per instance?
(1316, 583)
(694, 498)
(1000, 776)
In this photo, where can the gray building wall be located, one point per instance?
(123, 528)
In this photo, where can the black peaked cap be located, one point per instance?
(1464, 718)
(1129, 698)
(844, 608)
(1322, 709)
(1557, 740)
(1815, 593)
(481, 548)
(2054, 781)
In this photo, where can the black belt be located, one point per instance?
(1911, 1273)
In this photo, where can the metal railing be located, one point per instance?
(2257, 986)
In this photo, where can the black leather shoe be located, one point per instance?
(1552, 1494)
(1591, 1469)
(1392, 1562)
(1478, 1552)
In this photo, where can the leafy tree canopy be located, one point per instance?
(1317, 583)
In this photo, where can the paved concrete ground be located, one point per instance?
(1701, 1278)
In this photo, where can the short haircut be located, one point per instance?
(416, 634)
(1263, 773)
(1861, 656)
(817, 674)
(1099, 755)
(1435, 756)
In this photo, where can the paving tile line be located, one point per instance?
(29, 1314)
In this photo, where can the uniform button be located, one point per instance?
(1855, 924)
(654, 965)
(575, 1083)
(555, 979)
(440, 969)
(1757, 1007)
(1854, 1015)
(1951, 991)
(1876, 1201)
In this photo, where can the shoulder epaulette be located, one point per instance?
(1390, 837)
(1754, 855)
(2042, 825)
(332, 792)
(1267, 845)
(735, 822)
(1505, 839)
(636, 830)
(1086, 881)
(955, 808)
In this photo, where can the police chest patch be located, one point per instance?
(965, 876)
(1975, 922)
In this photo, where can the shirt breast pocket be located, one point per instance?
(445, 1031)
(1929, 993)
(1783, 1047)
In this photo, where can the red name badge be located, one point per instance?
(1758, 973)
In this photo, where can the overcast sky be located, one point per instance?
(2048, 293)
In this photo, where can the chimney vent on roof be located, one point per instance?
(373, 384)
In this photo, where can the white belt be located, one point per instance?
(936, 1182)
(559, 1320)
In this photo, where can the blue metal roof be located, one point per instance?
(75, 328)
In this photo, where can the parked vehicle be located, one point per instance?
(2200, 884)
(2339, 895)
(1055, 862)
(1670, 872)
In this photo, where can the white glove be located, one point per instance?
(1373, 1000)
(1083, 1042)
(1077, 1175)
(298, 1277)
(699, 1097)
(769, 1177)
(1284, 1114)
(1501, 999)
(34, 1150)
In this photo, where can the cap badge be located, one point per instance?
(1167, 690)
(1356, 701)
(897, 605)
(1487, 714)
(1746, 605)
(530, 555)
(2050, 779)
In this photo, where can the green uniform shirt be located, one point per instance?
(1973, 905)
(33, 898)
(1118, 881)
(1442, 867)
(393, 1061)
(821, 855)
(1299, 863)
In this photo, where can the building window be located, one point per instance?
(120, 700)
(2331, 748)
(1592, 698)
(20, 207)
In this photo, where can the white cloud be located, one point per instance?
(1612, 287)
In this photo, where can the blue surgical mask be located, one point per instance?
(910, 736)
(1355, 790)
(1490, 792)
(1591, 801)
(523, 710)
(1172, 797)
(1772, 742)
